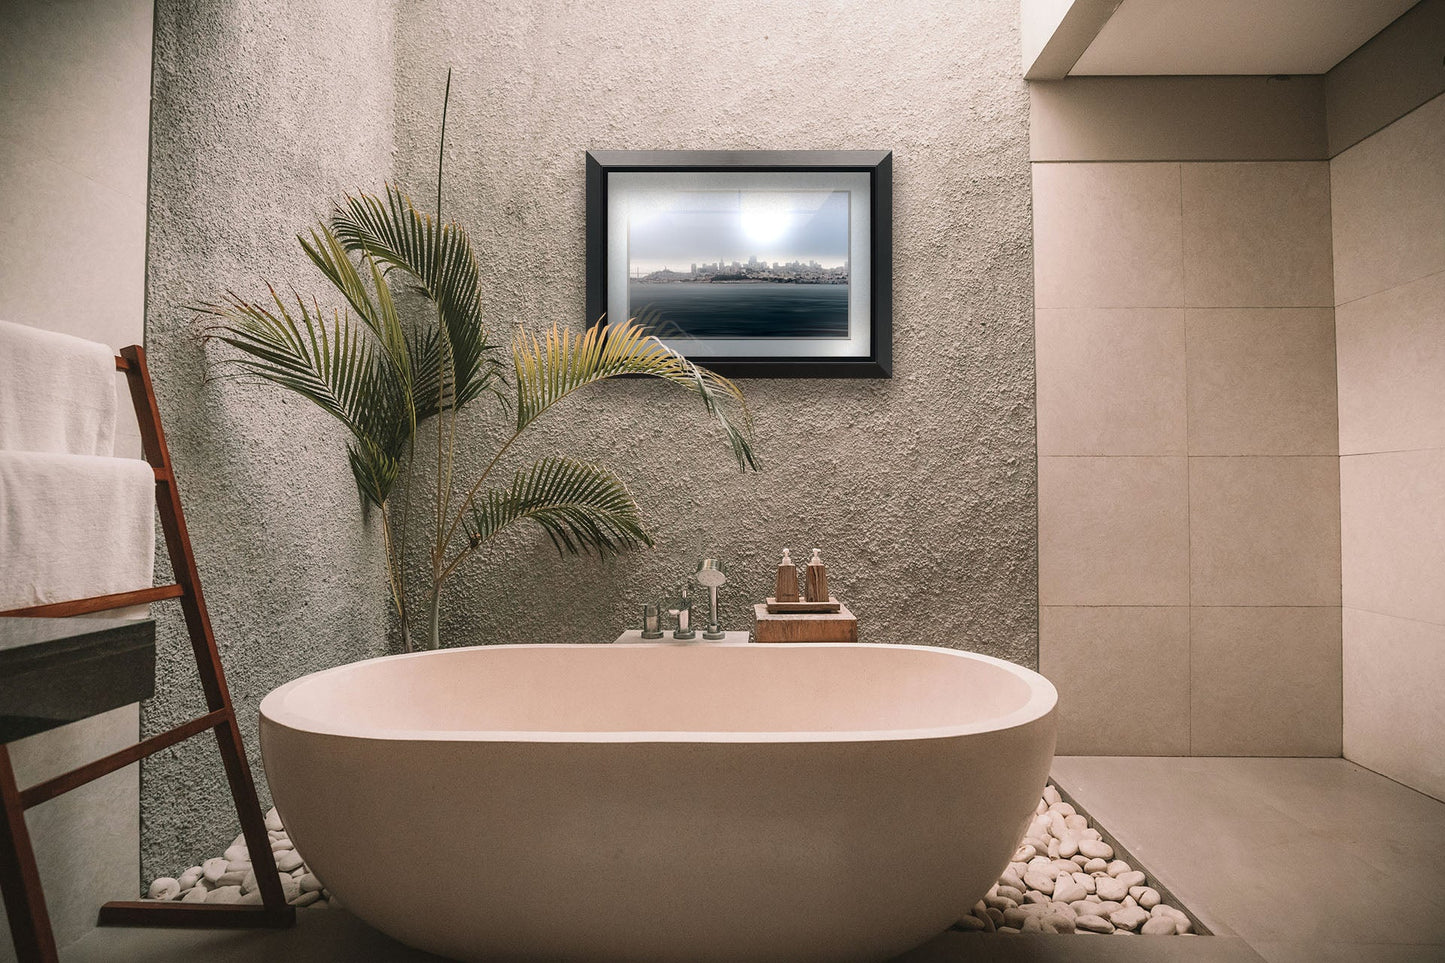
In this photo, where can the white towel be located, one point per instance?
(73, 526)
(57, 393)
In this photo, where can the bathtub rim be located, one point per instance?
(1042, 701)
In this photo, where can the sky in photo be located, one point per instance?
(676, 229)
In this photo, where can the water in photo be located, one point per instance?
(740, 264)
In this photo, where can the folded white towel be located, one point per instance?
(73, 526)
(57, 393)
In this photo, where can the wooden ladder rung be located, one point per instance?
(193, 915)
(104, 766)
(98, 603)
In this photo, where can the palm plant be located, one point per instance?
(383, 377)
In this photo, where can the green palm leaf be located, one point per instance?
(335, 367)
(326, 251)
(550, 369)
(582, 508)
(440, 262)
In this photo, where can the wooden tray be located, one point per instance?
(781, 608)
(838, 626)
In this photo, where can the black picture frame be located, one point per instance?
(868, 357)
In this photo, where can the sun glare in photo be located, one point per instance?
(765, 224)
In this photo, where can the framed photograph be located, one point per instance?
(768, 264)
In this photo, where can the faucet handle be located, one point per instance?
(651, 622)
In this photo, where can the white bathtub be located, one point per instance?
(661, 802)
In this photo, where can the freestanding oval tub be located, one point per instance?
(661, 802)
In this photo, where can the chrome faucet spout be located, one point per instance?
(683, 614)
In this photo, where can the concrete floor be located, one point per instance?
(1288, 860)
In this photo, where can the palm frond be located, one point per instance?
(440, 262)
(335, 367)
(326, 251)
(582, 507)
(550, 369)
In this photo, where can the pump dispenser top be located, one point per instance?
(817, 579)
(787, 584)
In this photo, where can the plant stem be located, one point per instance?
(393, 565)
(434, 617)
(404, 542)
(445, 363)
(471, 495)
(442, 145)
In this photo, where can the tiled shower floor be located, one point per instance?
(1287, 860)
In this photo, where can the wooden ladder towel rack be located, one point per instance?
(19, 875)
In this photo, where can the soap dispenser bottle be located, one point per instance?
(787, 585)
(817, 579)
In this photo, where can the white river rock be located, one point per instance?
(164, 888)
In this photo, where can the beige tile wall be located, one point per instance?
(1388, 199)
(75, 112)
(1189, 524)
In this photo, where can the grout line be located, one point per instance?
(1262, 454)
(1356, 143)
(1392, 288)
(1188, 484)
(1219, 605)
(1188, 475)
(1382, 775)
(1353, 454)
(1216, 307)
(1259, 307)
(1383, 615)
(1178, 160)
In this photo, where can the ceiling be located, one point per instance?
(1150, 37)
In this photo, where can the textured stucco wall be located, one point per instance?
(263, 109)
(920, 490)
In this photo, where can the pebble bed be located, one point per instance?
(229, 878)
(1064, 878)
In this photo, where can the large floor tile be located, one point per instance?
(1110, 381)
(1181, 822)
(1391, 350)
(1257, 234)
(1264, 681)
(1394, 705)
(1107, 236)
(1262, 381)
(1113, 531)
(1122, 676)
(1264, 531)
(1392, 533)
(1346, 952)
(1248, 844)
(1387, 195)
(1341, 801)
